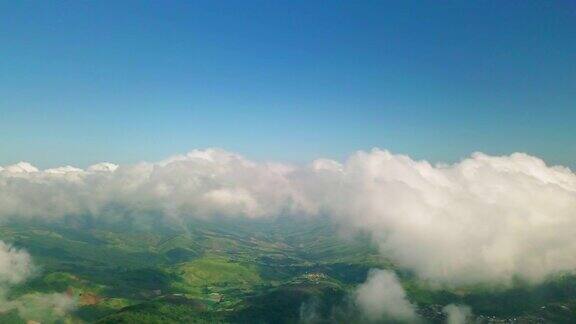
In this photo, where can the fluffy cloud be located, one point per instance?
(458, 314)
(484, 219)
(382, 297)
(16, 266)
(200, 183)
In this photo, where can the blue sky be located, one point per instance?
(124, 81)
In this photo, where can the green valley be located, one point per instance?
(236, 271)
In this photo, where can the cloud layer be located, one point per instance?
(484, 219)
(200, 184)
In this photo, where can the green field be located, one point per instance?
(235, 271)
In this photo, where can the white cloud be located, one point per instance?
(63, 170)
(382, 297)
(201, 183)
(102, 167)
(16, 266)
(21, 167)
(484, 219)
(458, 314)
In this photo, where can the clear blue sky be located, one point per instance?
(124, 81)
